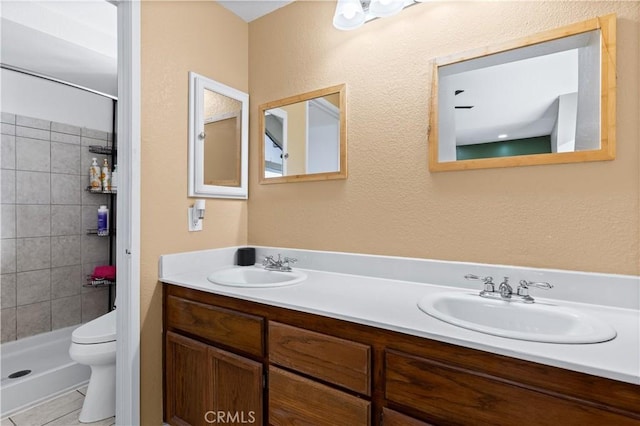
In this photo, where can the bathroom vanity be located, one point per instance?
(258, 356)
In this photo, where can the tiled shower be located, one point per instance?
(46, 252)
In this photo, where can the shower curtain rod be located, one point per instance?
(55, 80)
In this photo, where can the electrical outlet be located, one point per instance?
(193, 225)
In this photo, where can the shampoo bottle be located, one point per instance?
(105, 176)
(103, 221)
(94, 175)
(114, 178)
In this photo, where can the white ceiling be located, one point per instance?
(76, 41)
(73, 41)
(249, 10)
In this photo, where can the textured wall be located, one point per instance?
(178, 37)
(576, 216)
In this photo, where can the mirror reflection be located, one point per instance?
(222, 139)
(303, 137)
(546, 99)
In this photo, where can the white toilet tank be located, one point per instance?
(99, 330)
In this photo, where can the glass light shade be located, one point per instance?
(349, 15)
(384, 8)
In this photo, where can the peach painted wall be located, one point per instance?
(577, 216)
(178, 37)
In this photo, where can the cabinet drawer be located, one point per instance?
(334, 360)
(224, 326)
(393, 418)
(452, 394)
(295, 400)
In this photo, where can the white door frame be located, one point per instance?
(128, 216)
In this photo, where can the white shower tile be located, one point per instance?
(65, 138)
(66, 281)
(33, 287)
(33, 253)
(33, 155)
(8, 292)
(65, 189)
(8, 256)
(8, 221)
(8, 153)
(94, 248)
(66, 312)
(94, 303)
(66, 220)
(33, 220)
(65, 128)
(33, 319)
(66, 250)
(33, 187)
(65, 158)
(35, 123)
(29, 132)
(7, 129)
(94, 134)
(8, 186)
(8, 321)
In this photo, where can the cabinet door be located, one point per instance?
(186, 380)
(236, 389)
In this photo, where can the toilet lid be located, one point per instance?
(99, 330)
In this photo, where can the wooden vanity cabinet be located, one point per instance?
(325, 371)
(209, 375)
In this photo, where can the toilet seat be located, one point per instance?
(99, 330)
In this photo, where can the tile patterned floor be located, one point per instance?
(61, 411)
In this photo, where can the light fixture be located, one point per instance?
(502, 135)
(384, 8)
(351, 14)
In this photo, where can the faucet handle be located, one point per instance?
(489, 286)
(290, 260)
(523, 287)
(477, 278)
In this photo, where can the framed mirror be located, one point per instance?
(303, 137)
(218, 139)
(544, 99)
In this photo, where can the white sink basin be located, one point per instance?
(249, 276)
(536, 322)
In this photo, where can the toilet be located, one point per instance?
(94, 344)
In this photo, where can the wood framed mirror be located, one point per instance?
(544, 99)
(303, 137)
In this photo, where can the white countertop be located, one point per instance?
(392, 304)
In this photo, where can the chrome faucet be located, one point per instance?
(281, 264)
(505, 291)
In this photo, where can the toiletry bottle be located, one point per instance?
(105, 176)
(114, 178)
(94, 175)
(103, 221)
